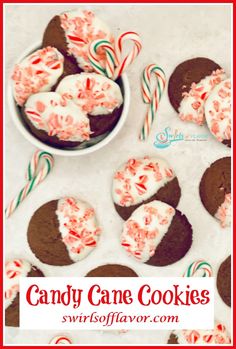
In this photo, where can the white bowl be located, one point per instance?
(84, 148)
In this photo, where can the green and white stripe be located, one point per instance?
(38, 169)
(199, 268)
(151, 98)
(107, 67)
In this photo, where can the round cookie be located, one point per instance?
(218, 112)
(37, 72)
(218, 335)
(143, 180)
(224, 281)
(55, 120)
(189, 86)
(61, 340)
(64, 231)
(14, 270)
(157, 234)
(99, 97)
(112, 270)
(215, 190)
(72, 32)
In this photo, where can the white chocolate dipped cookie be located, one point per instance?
(64, 231)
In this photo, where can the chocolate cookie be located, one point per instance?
(218, 335)
(64, 231)
(56, 121)
(38, 72)
(14, 270)
(112, 270)
(54, 35)
(143, 180)
(72, 32)
(218, 112)
(189, 86)
(157, 234)
(215, 190)
(83, 106)
(173, 339)
(97, 96)
(224, 281)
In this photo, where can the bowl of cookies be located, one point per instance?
(58, 100)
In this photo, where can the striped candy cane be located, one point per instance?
(61, 340)
(153, 99)
(107, 67)
(36, 173)
(197, 267)
(114, 65)
(130, 57)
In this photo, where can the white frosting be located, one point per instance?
(37, 72)
(94, 93)
(145, 229)
(78, 227)
(139, 179)
(218, 111)
(223, 213)
(218, 335)
(192, 105)
(14, 270)
(81, 28)
(58, 116)
(61, 340)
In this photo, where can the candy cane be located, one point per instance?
(61, 340)
(114, 65)
(153, 99)
(35, 175)
(199, 266)
(108, 67)
(129, 58)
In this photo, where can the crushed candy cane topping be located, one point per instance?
(78, 227)
(218, 335)
(14, 269)
(81, 28)
(58, 116)
(218, 111)
(93, 93)
(223, 213)
(36, 73)
(145, 229)
(139, 179)
(192, 105)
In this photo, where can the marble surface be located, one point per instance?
(170, 34)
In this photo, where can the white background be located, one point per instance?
(170, 34)
(44, 316)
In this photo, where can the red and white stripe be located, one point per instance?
(131, 56)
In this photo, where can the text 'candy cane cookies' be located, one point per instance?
(64, 231)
